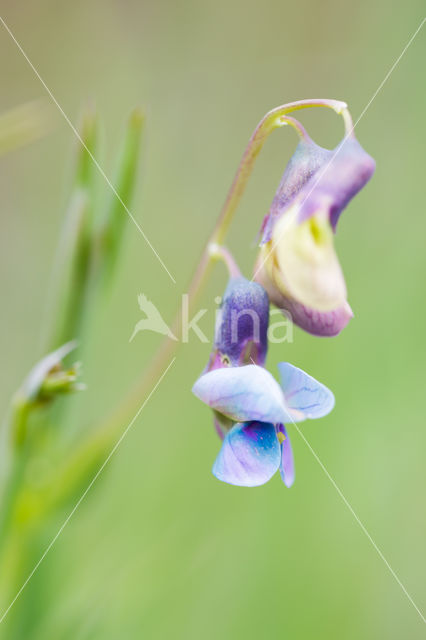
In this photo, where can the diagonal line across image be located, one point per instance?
(95, 162)
(173, 360)
(348, 134)
(86, 491)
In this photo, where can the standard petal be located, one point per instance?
(347, 172)
(243, 394)
(305, 396)
(287, 470)
(305, 162)
(250, 455)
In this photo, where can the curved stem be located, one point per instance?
(219, 252)
(272, 120)
(347, 119)
(298, 127)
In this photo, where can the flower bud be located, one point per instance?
(241, 325)
(46, 380)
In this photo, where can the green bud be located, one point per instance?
(46, 380)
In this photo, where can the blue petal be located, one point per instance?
(250, 455)
(287, 470)
(243, 394)
(305, 396)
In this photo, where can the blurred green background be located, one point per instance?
(160, 548)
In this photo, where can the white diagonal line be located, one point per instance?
(86, 491)
(363, 528)
(379, 88)
(339, 491)
(348, 134)
(349, 506)
(92, 157)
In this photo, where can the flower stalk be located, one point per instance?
(274, 119)
(103, 437)
(105, 434)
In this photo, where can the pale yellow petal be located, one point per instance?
(306, 262)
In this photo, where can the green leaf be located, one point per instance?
(76, 246)
(116, 216)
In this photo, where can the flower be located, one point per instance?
(250, 407)
(256, 409)
(297, 264)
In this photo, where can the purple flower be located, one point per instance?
(241, 325)
(250, 407)
(297, 264)
(252, 410)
